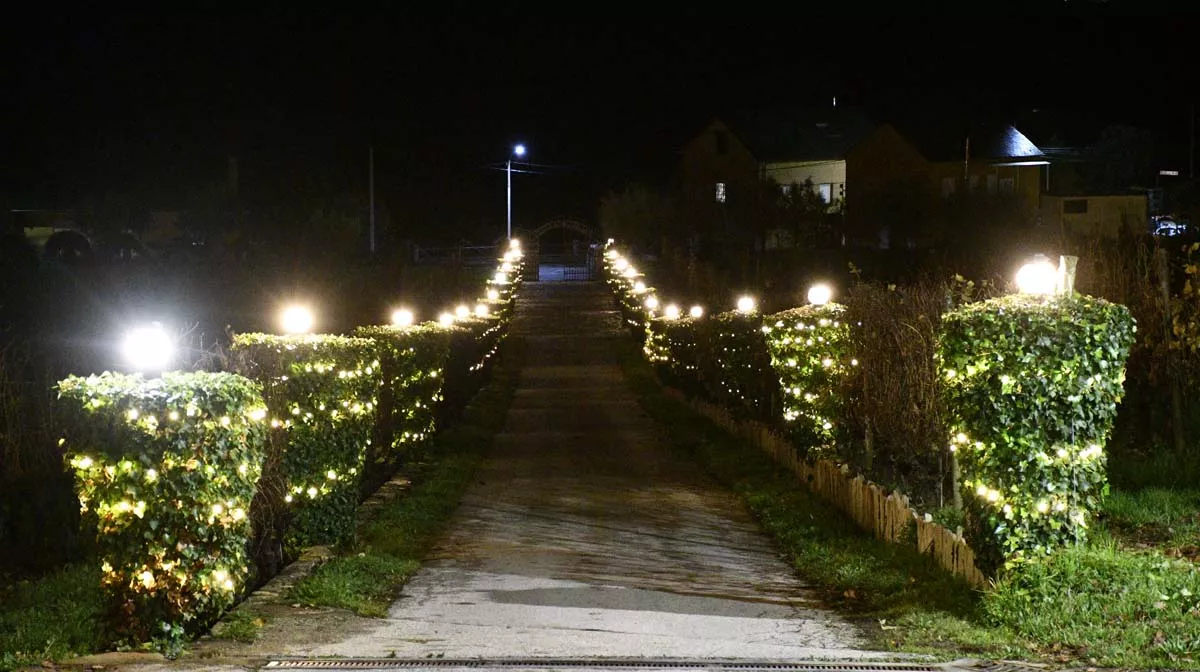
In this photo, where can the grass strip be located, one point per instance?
(1096, 605)
(53, 617)
(367, 577)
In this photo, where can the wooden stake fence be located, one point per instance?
(885, 515)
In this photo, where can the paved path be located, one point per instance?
(583, 536)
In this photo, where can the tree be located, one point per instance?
(639, 215)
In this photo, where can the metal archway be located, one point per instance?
(578, 263)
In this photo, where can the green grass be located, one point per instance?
(1168, 520)
(367, 577)
(53, 617)
(239, 626)
(1095, 605)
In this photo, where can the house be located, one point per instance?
(725, 165)
(903, 177)
(1096, 216)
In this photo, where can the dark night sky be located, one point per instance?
(152, 106)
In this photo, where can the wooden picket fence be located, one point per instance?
(885, 515)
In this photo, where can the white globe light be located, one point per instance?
(671, 312)
(519, 150)
(639, 287)
(462, 312)
(629, 272)
(493, 295)
(148, 348)
(501, 278)
(481, 310)
(402, 317)
(446, 319)
(611, 254)
(746, 304)
(819, 294)
(515, 244)
(652, 302)
(1039, 276)
(297, 320)
(506, 267)
(620, 264)
(696, 311)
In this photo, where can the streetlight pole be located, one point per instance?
(519, 150)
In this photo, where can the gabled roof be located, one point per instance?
(939, 140)
(800, 133)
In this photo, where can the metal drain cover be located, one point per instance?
(594, 664)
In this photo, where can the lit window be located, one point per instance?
(720, 192)
(826, 192)
(786, 189)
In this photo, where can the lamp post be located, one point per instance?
(518, 151)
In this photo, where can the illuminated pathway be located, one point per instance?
(582, 536)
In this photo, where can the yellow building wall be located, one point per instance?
(1106, 216)
(832, 173)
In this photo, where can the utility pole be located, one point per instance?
(371, 188)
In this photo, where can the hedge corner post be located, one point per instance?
(1163, 271)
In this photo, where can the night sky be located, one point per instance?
(152, 107)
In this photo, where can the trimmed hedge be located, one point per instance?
(1031, 386)
(165, 470)
(735, 367)
(413, 370)
(811, 354)
(321, 393)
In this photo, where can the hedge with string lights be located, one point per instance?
(413, 369)
(735, 367)
(1031, 386)
(322, 394)
(810, 354)
(165, 469)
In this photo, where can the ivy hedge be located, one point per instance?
(166, 469)
(1031, 386)
(810, 354)
(321, 393)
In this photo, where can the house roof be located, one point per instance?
(941, 140)
(800, 133)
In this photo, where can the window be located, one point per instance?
(991, 180)
(720, 192)
(1075, 206)
(948, 187)
(722, 141)
(786, 189)
(1007, 186)
(826, 192)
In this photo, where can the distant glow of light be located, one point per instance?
(402, 317)
(651, 302)
(297, 320)
(148, 348)
(462, 312)
(493, 295)
(515, 244)
(446, 319)
(696, 311)
(611, 254)
(746, 304)
(519, 150)
(819, 294)
(481, 310)
(671, 312)
(1039, 276)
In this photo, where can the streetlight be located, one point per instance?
(518, 151)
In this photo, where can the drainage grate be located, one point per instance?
(600, 664)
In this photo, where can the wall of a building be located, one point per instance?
(787, 173)
(1105, 216)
